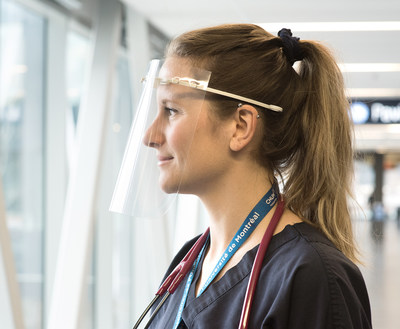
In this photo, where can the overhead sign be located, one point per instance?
(382, 112)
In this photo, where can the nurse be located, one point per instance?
(274, 110)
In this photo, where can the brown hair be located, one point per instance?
(310, 142)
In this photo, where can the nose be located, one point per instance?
(153, 136)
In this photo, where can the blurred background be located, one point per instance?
(70, 78)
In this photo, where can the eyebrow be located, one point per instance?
(196, 94)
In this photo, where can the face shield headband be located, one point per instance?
(192, 83)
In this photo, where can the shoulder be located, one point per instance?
(304, 244)
(310, 273)
(316, 253)
(306, 253)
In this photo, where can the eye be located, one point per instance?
(170, 111)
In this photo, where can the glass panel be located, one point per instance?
(391, 187)
(78, 60)
(122, 119)
(21, 147)
(364, 186)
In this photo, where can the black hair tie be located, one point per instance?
(291, 46)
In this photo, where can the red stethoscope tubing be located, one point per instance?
(257, 265)
(177, 275)
(173, 280)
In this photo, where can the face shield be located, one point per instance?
(160, 139)
(154, 165)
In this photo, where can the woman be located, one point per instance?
(239, 150)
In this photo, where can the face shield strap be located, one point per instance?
(202, 85)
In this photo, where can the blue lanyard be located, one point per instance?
(255, 216)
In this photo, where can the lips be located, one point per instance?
(162, 160)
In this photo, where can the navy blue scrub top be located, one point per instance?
(305, 283)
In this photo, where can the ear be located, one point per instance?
(246, 124)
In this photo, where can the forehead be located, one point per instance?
(174, 67)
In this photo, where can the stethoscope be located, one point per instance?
(172, 282)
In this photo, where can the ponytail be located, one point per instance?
(319, 183)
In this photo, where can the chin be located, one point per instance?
(168, 187)
(169, 190)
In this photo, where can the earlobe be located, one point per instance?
(246, 123)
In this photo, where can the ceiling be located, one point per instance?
(176, 16)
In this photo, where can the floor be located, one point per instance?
(380, 247)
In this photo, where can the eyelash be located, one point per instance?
(170, 111)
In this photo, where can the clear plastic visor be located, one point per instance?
(161, 135)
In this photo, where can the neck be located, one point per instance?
(228, 205)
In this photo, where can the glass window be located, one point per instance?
(391, 186)
(364, 183)
(21, 147)
(78, 60)
(121, 123)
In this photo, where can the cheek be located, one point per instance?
(180, 139)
